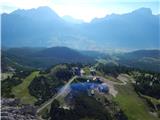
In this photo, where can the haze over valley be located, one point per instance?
(56, 67)
(138, 29)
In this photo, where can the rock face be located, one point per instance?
(12, 109)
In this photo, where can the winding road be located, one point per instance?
(64, 91)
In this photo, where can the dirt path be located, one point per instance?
(64, 91)
(111, 84)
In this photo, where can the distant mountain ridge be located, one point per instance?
(142, 59)
(61, 53)
(44, 57)
(138, 29)
(135, 30)
(144, 53)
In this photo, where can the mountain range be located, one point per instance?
(142, 59)
(42, 27)
(42, 57)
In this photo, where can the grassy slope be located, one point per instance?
(153, 100)
(87, 70)
(21, 91)
(134, 107)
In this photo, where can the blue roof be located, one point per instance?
(84, 86)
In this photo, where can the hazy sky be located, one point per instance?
(82, 9)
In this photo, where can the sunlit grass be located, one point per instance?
(21, 91)
(133, 106)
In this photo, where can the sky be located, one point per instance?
(82, 9)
